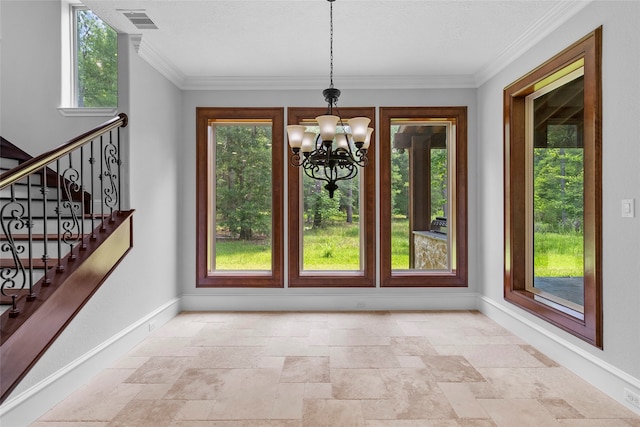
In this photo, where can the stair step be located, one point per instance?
(36, 263)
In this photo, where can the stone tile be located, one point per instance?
(153, 391)
(288, 401)
(500, 356)
(246, 394)
(69, 424)
(228, 357)
(452, 369)
(332, 413)
(609, 422)
(298, 369)
(546, 361)
(351, 384)
(378, 409)
(100, 400)
(518, 412)
(271, 362)
(363, 357)
(466, 422)
(147, 413)
(412, 346)
(198, 384)
(318, 391)
(411, 362)
(414, 394)
(518, 383)
(159, 370)
(463, 401)
(355, 337)
(215, 337)
(288, 346)
(242, 423)
(586, 399)
(560, 408)
(195, 410)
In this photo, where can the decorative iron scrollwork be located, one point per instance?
(12, 218)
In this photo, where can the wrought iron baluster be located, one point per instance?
(31, 296)
(60, 268)
(83, 246)
(119, 174)
(12, 219)
(45, 256)
(71, 226)
(92, 161)
(111, 194)
(102, 226)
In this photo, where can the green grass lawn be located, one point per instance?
(337, 247)
(558, 255)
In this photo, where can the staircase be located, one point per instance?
(62, 233)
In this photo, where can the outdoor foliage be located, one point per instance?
(97, 61)
(243, 181)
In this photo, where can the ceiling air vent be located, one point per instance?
(140, 20)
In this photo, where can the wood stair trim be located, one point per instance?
(25, 338)
(36, 263)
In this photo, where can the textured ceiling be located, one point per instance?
(285, 43)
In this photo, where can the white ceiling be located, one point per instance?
(246, 44)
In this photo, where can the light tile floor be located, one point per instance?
(382, 369)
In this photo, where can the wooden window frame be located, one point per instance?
(515, 192)
(239, 279)
(457, 277)
(364, 278)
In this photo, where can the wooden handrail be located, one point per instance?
(33, 165)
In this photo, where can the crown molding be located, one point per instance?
(560, 13)
(315, 82)
(163, 66)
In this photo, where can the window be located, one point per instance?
(423, 181)
(332, 241)
(239, 196)
(553, 184)
(90, 61)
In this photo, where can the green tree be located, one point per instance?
(319, 208)
(559, 182)
(243, 180)
(400, 182)
(439, 180)
(97, 61)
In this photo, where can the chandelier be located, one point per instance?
(332, 155)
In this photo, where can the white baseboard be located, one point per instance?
(588, 366)
(23, 409)
(328, 300)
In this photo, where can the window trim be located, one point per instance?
(69, 67)
(419, 278)
(238, 279)
(366, 277)
(515, 195)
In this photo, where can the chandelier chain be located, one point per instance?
(331, 42)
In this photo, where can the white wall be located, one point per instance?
(145, 282)
(621, 180)
(316, 298)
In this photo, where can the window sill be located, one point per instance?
(87, 112)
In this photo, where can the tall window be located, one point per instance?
(423, 183)
(239, 179)
(331, 240)
(553, 190)
(95, 61)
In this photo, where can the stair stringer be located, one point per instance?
(26, 337)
